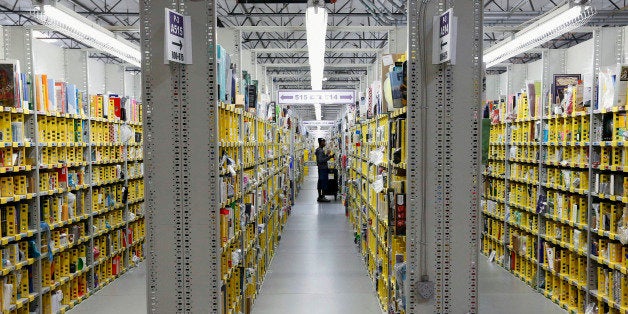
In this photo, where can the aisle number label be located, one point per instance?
(308, 97)
(444, 38)
(177, 38)
(322, 123)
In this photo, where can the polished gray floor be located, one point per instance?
(501, 292)
(317, 270)
(125, 295)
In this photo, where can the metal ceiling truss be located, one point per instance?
(358, 29)
(304, 50)
(331, 76)
(330, 58)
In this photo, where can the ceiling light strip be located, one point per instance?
(316, 31)
(87, 32)
(556, 23)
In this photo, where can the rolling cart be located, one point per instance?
(332, 184)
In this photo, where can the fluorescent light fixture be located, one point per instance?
(316, 29)
(553, 24)
(71, 24)
(318, 112)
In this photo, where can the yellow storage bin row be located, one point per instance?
(11, 157)
(574, 129)
(495, 188)
(522, 171)
(523, 195)
(497, 134)
(61, 130)
(564, 293)
(523, 132)
(12, 127)
(567, 156)
(15, 219)
(107, 154)
(106, 197)
(105, 133)
(494, 208)
(62, 207)
(567, 179)
(14, 185)
(567, 207)
(136, 190)
(525, 220)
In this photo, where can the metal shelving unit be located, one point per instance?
(605, 48)
(52, 239)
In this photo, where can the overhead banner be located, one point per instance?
(321, 123)
(310, 97)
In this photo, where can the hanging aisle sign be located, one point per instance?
(177, 38)
(321, 123)
(445, 38)
(310, 97)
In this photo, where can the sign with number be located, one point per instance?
(444, 38)
(323, 97)
(177, 39)
(322, 123)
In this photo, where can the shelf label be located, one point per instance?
(310, 97)
(177, 38)
(444, 38)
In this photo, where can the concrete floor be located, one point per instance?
(317, 269)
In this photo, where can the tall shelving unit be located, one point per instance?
(72, 190)
(553, 188)
(256, 192)
(378, 217)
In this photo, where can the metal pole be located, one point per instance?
(443, 163)
(182, 218)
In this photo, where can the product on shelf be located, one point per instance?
(255, 199)
(79, 169)
(375, 193)
(544, 165)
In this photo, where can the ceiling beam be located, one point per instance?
(307, 66)
(334, 75)
(302, 14)
(304, 50)
(330, 28)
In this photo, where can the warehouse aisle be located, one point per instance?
(501, 292)
(317, 268)
(126, 294)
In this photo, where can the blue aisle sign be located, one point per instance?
(177, 39)
(444, 38)
(309, 97)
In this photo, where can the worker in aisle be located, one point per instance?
(322, 158)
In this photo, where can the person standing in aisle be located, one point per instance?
(322, 158)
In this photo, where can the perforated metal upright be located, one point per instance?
(181, 159)
(443, 161)
(18, 45)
